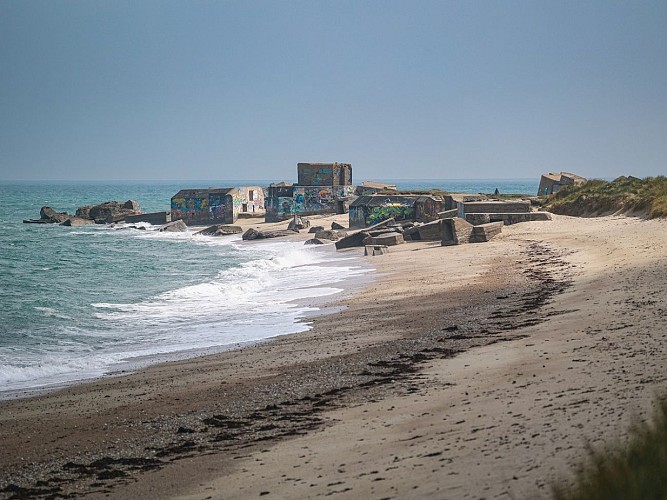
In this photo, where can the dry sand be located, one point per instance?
(462, 372)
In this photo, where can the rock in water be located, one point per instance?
(131, 205)
(313, 241)
(77, 221)
(84, 212)
(254, 234)
(251, 234)
(50, 215)
(177, 226)
(220, 230)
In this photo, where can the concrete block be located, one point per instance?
(455, 231)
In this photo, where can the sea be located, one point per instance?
(86, 302)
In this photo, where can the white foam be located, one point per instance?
(251, 301)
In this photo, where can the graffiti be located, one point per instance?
(203, 206)
(398, 211)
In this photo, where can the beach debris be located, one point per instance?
(373, 250)
(356, 239)
(457, 231)
(177, 226)
(353, 240)
(484, 232)
(328, 234)
(385, 239)
(298, 223)
(552, 182)
(220, 230)
(255, 234)
(431, 231)
(448, 214)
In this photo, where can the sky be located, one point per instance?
(193, 90)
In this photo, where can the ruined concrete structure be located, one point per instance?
(551, 183)
(370, 210)
(324, 174)
(457, 231)
(322, 188)
(216, 205)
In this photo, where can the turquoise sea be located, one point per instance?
(78, 303)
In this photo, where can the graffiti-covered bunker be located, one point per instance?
(322, 188)
(216, 205)
(369, 210)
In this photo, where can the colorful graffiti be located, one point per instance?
(205, 206)
(397, 211)
(304, 200)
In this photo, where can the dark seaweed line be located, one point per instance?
(299, 416)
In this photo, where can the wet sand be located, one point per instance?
(462, 372)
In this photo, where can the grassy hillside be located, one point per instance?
(635, 471)
(644, 197)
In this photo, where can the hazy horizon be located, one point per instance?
(204, 90)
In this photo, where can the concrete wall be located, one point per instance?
(507, 219)
(246, 200)
(423, 209)
(493, 207)
(283, 202)
(215, 205)
(154, 218)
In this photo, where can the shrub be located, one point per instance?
(636, 471)
(628, 195)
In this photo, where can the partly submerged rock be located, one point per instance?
(313, 241)
(51, 216)
(220, 230)
(77, 222)
(254, 234)
(177, 226)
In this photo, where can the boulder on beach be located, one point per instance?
(327, 234)
(177, 226)
(298, 223)
(220, 230)
(313, 241)
(315, 229)
(335, 226)
(254, 234)
(388, 239)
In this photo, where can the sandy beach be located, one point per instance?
(472, 371)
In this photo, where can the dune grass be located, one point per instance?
(637, 470)
(630, 195)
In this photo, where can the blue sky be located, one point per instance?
(135, 90)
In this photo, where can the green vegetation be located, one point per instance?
(629, 195)
(636, 471)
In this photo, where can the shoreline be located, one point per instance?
(323, 304)
(388, 379)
